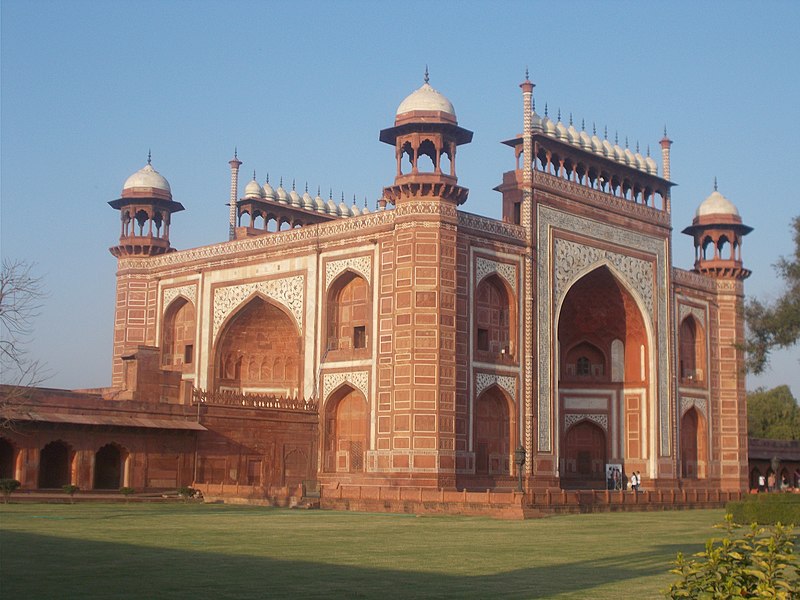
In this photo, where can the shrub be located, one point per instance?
(70, 490)
(127, 492)
(7, 487)
(187, 492)
(766, 509)
(760, 564)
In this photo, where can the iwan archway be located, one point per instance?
(603, 376)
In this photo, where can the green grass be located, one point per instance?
(198, 551)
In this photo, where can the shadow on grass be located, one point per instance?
(38, 566)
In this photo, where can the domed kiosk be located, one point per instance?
(146, 208)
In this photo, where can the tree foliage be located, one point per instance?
(760, 564)
(775, 324)
(773, 414)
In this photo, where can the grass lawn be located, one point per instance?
(220, 551)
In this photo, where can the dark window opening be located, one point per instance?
(188, 354)
(483, 340)
(360, 336)
(517, 213)
(583, 367)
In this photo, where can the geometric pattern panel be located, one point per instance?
(484, 267)
(187, 291)
(484, 380)
(698, 313)
(570, 420)
(359, 264)
(358, 379)
(698, 403)
(287, 292)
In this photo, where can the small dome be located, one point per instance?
(536, 121)
(561, 131)
(253, 190)
(146, 178)
(574, 135)
(294, 198)
(319, 204)
(308, 201)
(608, 148)
(597, 145)
(281, 194)
(365, 210)
(652, 167)
(548, 126)
(716, 204)
(332, 208)
(354, 210)
(268, 191)
(343, 210)
(586, 141)
(428, 99)
(630, 159)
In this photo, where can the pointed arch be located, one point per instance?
(585, 454)
(346, 431)
(56, 462)
(495, 319)
(691, 351)
(694, 446)
(9, 455)
(178, 333)
(253, 348)
(348, 314)
(109, 467)
(493, 431)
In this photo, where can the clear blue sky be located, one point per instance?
(302, 89)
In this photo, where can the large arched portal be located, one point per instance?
(603, 378)
(693, 445)
(491, 434)
(259, 351)
(346, 431)
(55, 465)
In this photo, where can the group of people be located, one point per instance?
(770, 483)
(617, 480)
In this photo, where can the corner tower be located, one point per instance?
(718, 230)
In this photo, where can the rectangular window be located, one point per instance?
(360, 336)
(188, 354)
(483, 339)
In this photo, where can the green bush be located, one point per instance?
(7, 487)
(766, 509)
(70, 490)
(187, 492)
(760, 564)
(127, 492)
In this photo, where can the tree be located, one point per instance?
(775, 324)
(773, 414)
(21, 294)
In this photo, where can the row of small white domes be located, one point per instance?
(581, 139)
(254, 190)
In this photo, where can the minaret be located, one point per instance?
(666, 144)
(146, 208)
(718, 230)
(235, 163)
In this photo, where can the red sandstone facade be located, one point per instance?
(419, 346)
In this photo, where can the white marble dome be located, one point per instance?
(716, 204)
(253, 190)
(426, 98)
(147, 177)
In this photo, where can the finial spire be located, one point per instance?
(306, 187)
(533, 104)
(626, 142)
(149, 156)
(583, 124)
(570, 119)
(267, 177)
(527, 78)
(426, 68)
(318, 190)
(665, 131)
(637, 146)
(715, 183)
(545, 109)
(616, 138)
(365, 201)
(594, 128)
(559, 114)
(427, 77)
(236, 153)
(293, 184)
(254, 174)
(648, 150)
